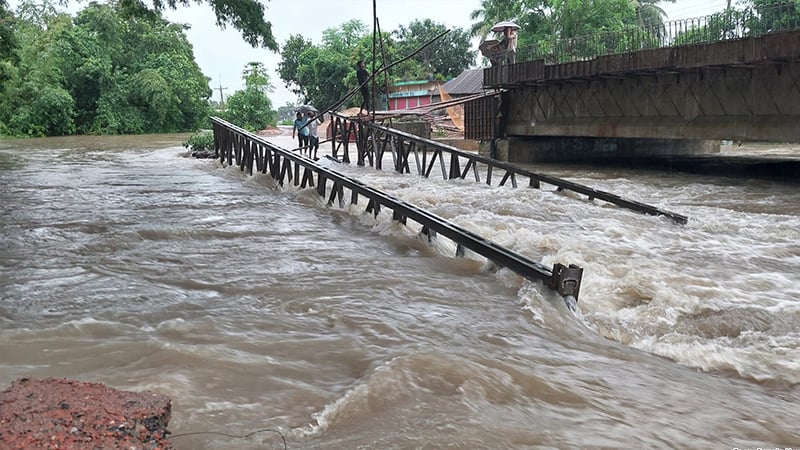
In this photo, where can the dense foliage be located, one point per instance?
(100, 72)
(566, 30)
(8, 42)
(445, 58)
(322, 74)
(752, 18)
(247, 16)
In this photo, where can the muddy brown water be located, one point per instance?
(124, 262)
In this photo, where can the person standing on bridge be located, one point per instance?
(313, 137)
(510, 43)
(363, 76)
(301, 130)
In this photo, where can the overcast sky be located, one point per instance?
(222, 54)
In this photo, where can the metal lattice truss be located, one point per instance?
(252, 153)
(424, 157)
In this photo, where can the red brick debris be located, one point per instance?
(68, 414)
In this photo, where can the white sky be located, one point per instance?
(222, 54)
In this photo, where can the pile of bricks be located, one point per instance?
(69, 414)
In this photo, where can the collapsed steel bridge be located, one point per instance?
(234, 145)
(372, 141)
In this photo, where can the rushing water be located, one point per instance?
(122, 261)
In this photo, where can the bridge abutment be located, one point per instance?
(744, 89)
(590, 149)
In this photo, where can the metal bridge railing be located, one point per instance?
(426, 157)
(726, 25)
(236, 146)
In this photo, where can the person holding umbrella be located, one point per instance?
(509, 30)
(510, 38)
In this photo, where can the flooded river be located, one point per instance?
(122, 261)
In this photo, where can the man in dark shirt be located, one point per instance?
(363, 76)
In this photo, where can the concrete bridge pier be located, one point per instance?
(541, 149)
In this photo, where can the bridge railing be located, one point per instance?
(236, 146)
(726, 25)
(425, 157)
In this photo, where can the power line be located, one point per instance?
(684, 9)
(234, 436)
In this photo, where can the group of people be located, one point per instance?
(305, 128)
(306, 125)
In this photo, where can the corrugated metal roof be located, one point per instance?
(467, 82)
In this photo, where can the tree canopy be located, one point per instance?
(247, 16)
(8, 48)
(445, 58)
(324, 73)
(567, 29)
(100, 72)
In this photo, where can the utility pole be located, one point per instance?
(221, 98)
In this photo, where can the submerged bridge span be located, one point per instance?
(252, 153)
(366, 143)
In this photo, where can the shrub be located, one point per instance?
(200, 141)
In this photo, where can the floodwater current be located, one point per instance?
(252, 307)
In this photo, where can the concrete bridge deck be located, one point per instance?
(662, 101)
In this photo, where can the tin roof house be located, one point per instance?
(411, 94)
(468, 82)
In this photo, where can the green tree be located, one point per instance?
(716, 27)
(8, 41)
(34, 100)
(323, 74)
(768, 16)
(575, 18)
(756, 17)
(251, 108)
(317, 73)
(101, 72)
(247, 16)
(649, 14)
(8, 60)
(494, 11)
(444, 58)
(136, 75)
(290, 62)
